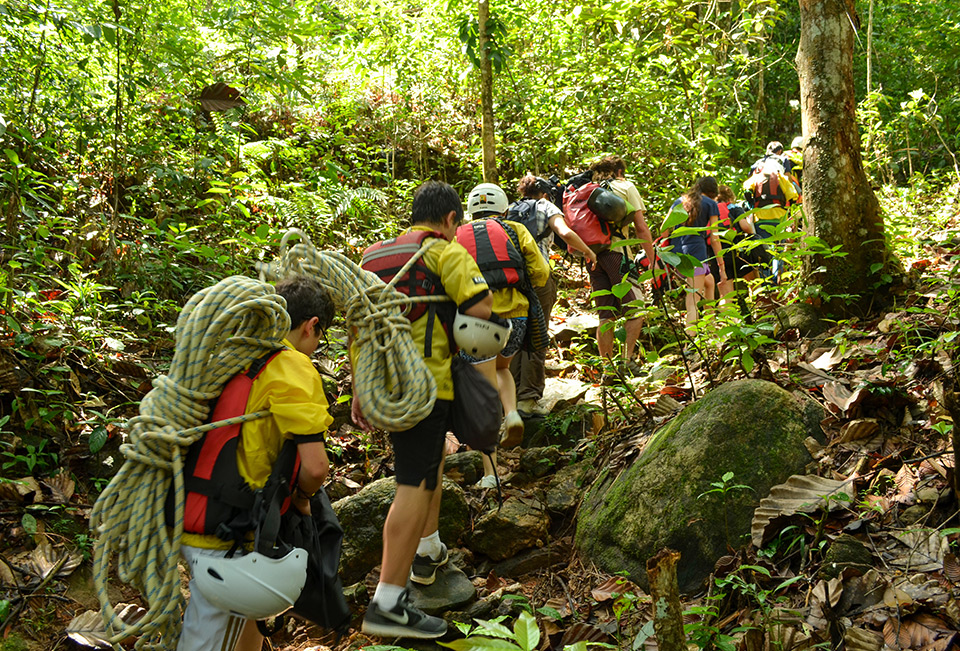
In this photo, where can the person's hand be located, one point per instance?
(301, 503)
(356, 413)
(723, 275)
(591, 260)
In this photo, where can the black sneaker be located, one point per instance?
(424, 568)
(403, 620)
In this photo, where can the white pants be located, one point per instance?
(206, 627)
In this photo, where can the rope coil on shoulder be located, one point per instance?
(220, 331)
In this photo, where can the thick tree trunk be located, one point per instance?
(486, 97)
(838, 202)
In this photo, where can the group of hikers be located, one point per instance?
(493, 264)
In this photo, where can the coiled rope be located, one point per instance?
(220, 332)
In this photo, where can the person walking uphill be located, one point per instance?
(411, 542)
(510, 260)
(608, 270)
(286, 384)
(543, 220)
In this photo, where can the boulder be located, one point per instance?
(751, 428)
(565, 330)
(451, 590)
(566, 487)
(802, 316)
(539, 462)
(362, 517)
(465, 468)
(519, 525)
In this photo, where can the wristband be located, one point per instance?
(303, 494)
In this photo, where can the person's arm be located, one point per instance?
(715, 245)
(644, 234)
(559, 226)
(481, 309)
(314, 468)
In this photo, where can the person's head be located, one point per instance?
(725, 195)
(530, 187)
(707, 185)
(797, 143)
(774, 147)
(608, 167)
(310, 308)
(487, 200)
(437, 205)
(691, 203)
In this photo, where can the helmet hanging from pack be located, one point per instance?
(480, 338)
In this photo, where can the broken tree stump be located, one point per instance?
(665, 594)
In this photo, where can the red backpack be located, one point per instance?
(388, 257)
(496, 251)
(581, 218)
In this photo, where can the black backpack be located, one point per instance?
(525, 212)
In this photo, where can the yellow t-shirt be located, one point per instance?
(508, 302)
(290, 388)
(461, 280)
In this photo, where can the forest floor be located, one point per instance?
(881, 379)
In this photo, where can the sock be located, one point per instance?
(387, 595)
(431, 546)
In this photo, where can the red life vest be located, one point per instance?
(581, 219)
(388, 257)
(724, 214)
(496, 248)
(219, 501)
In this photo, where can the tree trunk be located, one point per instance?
(839, 204)
(486, 97)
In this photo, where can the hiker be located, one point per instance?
(411, 541)
(770, 194)
(795, 170)
(288, 386)
(514, 268)
(608, 271)
(543, 220)
(702, 213)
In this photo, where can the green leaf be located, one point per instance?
(478, 643)
(670, 258)
(527, 631)
(621, 289)
(12, 156)
(748, 362)
(98, 438)
(496, 629)
(29, 523)
(4, 610)
(677, 216)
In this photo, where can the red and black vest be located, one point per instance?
(388, 257)
(219, 501)
(496, 248)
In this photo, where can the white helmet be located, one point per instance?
(253, 585)
(487, 198)
(480, 338)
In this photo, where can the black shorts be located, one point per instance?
(418, 451)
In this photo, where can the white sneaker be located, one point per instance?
(488, 481)
(512, 430)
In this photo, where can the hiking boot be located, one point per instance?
(424, 568)
(527, 406)
(403, 620)
(512, 430)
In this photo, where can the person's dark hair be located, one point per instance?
(529, 187)
(691, 203)
(306, 298)
(608, 167)
(432, 201)
(774, 147)
(725, 194)
(708, 186)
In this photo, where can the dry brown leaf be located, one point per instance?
(562, 606)
(666, 405)
(906, 480)
(811, 376)
(861, 639)
(583, 632)
(19, 490)
(951, 568)
(61, 487)
(837, 395)
(494, 582)
(44, 558)
(612, 588)
(925, 551)
(858, 429)
(7, 579)
(799, 494)
(832, 589)
(827, 359)
(922, 631)
(865, 591)
(87, 630)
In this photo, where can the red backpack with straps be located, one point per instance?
(581, 219)
(388, 257)
(219, 501)
(496, 251)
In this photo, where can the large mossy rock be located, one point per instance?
(362, 517)
(751, 428)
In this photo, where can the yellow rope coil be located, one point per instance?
(220, 332)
